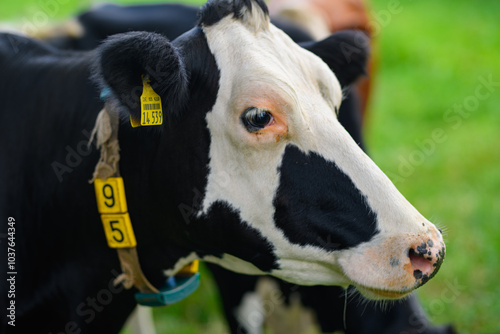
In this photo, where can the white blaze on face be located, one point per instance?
(263, 68)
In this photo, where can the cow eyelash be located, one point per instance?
(255, 119)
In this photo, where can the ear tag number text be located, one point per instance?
(151, 110)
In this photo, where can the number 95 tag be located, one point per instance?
(112, 205)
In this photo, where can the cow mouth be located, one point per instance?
(376, 294)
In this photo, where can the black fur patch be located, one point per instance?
(222, 231)
(215, 10)
(317, 204)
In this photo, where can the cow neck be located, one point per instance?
(177, 287)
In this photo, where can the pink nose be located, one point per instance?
(426, 259)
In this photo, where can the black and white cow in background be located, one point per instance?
(250, 124)
(91, 27)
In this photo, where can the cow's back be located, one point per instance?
(48, 107)
(47, 103)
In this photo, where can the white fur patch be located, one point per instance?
(181, 263)
(235, 264)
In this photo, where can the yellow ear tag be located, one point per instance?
(134, 122)
(151, 112)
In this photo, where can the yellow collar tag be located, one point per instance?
(151, 111)
(112, 205)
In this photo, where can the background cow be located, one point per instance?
(90, 28)
(24, 57)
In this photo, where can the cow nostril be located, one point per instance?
(422, 267)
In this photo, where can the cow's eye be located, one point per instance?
(255, 119)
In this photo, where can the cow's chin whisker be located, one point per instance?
(354, 297)
(382, 294)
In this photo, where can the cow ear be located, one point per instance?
(124, 59)
(346, 52)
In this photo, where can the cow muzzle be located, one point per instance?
(392, 267)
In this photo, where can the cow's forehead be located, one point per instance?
(266, 63)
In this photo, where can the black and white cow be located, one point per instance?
(251, 146)
(237, 290)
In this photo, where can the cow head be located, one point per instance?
(252, 127)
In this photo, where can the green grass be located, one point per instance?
(431, 56)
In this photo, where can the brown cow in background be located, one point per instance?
(320, 18)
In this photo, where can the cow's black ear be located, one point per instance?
(346, 52)
(124, 59)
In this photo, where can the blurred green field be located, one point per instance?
(434, 58)
(433, 127)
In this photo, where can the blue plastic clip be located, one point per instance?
(175, 289)
(105, 93)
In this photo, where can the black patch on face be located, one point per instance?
(222, 231)
(215, 10)
(318, 204)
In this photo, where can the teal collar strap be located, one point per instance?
(175, 289)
